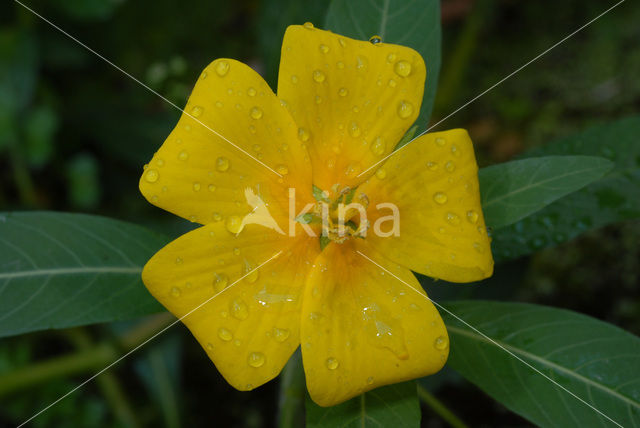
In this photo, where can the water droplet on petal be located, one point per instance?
(318, 99)
(332, 363)
(249, 271)
(453, 219)
(324, 49)
(392, 83)
(440, 198)
(211, 188)
(440, 141)
(318, 76)
(280, 334)
(239, 309)
(294, 79)
(222, 164)
(450, 166)
(402, 68)
(343, 92)
(391, 57)
(256, 359)
(234, 224)
(441, 343)
(479, 248)
(225, 334)
(151, 176)
(405, 109)
(381, 173)
(251, 92)
(362, 63)
(282, 169)
(432, 166)
(472, 216)
(354, 130)
(303, 135)
(455, 151)
(196, 187)
(353, 169)
(220, 282)
(375, 40)
(179, 260)
(340, 65)
(175, 292)
(256, 113)
(342, 42)
(183, 155)
(308, 26)
(378, 146)
(197, 111)
(216, 217)
(369, 380)
(222, 68)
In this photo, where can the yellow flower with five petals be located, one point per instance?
(251, 284)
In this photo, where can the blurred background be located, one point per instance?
(75, 132)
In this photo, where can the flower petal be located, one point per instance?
(434, 183)
(363, 328)
(251, 328)
(352, 99)
(199, 175)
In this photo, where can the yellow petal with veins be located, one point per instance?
(434, 183)
(246, 316)
(233, 130)
(363, 328)
(352, 100)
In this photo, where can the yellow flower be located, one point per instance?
(231, 163)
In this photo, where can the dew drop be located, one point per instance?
(318, 99)
(280, 334)
(342, 42)
(402, 68)
(209, 346)
(332, 363)
(216, 217)
(303, 135)
(354, 130)
(455, 151)
(340, 65)
(294, 79)
(219, 104)
(308, 26)
(375, 40)
(211, 188)
(239, 309)
(282, 169)
(472, 216)
(151, 176)
(222, 164)
(225, 334)
(256, 359)
(362, 63)
(378, 146)
(160, 162)
(179, 260)
(369, 380)
(220, 282)
(197, 111)
(440, 141)
(318, 76)
(433, 166)
(381, 173)
(222, 68)
(441, 343)
(249, 272)
(352, 169)
(479, 249)
(405, 109)
(251, 92)
(453, 219)
(175, 292)
(196, 187)
(450, 166)
(324, 49)
(234, 224)
(183, 155)
(392, 83)
(440, 198)
(343, 92)
(391, 57)
(256, 113)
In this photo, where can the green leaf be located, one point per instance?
(413, 23)
(393, 405)
(594, 360)
(59, 270)
(291, 397)
(516, 189)
(611, 199)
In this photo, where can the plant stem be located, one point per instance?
(97, 357)
(440, 408)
